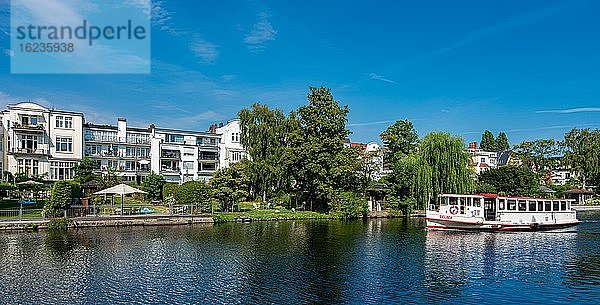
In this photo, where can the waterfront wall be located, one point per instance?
(111, 221)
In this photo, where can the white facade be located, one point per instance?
(119, 150)
(561, 176)
(375, 152)
(231, 149)
(39, 141)
(483, 160)
(182, 156)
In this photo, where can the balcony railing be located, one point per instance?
(208, 157)
(28, 127)
(28, 151)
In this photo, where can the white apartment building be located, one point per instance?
(44, 142)
(561, 176)
(121, 150)
(182, 156)
(39, 141)
(231, 149)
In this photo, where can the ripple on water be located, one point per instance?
(376, 261)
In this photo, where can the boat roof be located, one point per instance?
(490, 195)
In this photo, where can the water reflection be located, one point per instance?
(374, 261)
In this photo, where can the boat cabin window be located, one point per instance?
(469, 202)
(522, 205)
(555, 205)
(532, 205)
(547, 206)
(568, 205)
(512, 204)
(463, 202)
(540, 205)
(453, 201)
(563, 205)
(477, 202)
(501, 205)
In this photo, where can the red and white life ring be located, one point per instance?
(453, 210)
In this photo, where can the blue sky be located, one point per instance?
(529, 68)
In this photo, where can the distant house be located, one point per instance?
(561, 176)
(482, 160)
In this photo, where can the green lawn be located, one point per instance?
(260, 214)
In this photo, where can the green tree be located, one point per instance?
(582, 155)
(511, 180)
(170, 190)
(400, 138)
(538, 155)
(349, 205)
(442, 168)
(153, 185)
(230, 185)
(502, 142)
(488, 143)
(315, 146)
(264, 134)
(196, 194)
(63, 193)
(84, 170)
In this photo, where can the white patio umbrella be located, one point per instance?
(121, 189)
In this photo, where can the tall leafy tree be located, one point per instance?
(153, 185)
(582, 154)
(231, 185)
(84, 170)
(502, 142)
(538, 155)
(488, 143)
(511, 180)
(316, 145)
(264, 134)
(442, 168)
(401, 137)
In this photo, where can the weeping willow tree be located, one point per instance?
(441, 167)
(264, 133)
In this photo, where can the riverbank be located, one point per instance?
(167, 219)
(109, 221)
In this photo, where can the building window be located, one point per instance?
(29, 142)
(29, 121)
(68, 122)
(59, 121)
(61, 170)
(235, 137)
(188, 165)
(64, 144)
(236, 156)
(482, 160)
(29, 167)
(173, 138)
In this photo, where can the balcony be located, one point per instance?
(208, 157)
(28, 151)
(170, 154)
(31, 128)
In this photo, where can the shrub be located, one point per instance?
(58, 224)
(63, 193)
(349, 205)
(170, 190)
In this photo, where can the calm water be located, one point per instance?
(376, 261)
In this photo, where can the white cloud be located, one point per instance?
(571, 110)
(378, 77)
(261, 33)
(205, 50)
(9, 52)
(6, 99)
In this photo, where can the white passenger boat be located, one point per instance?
(499, 213)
